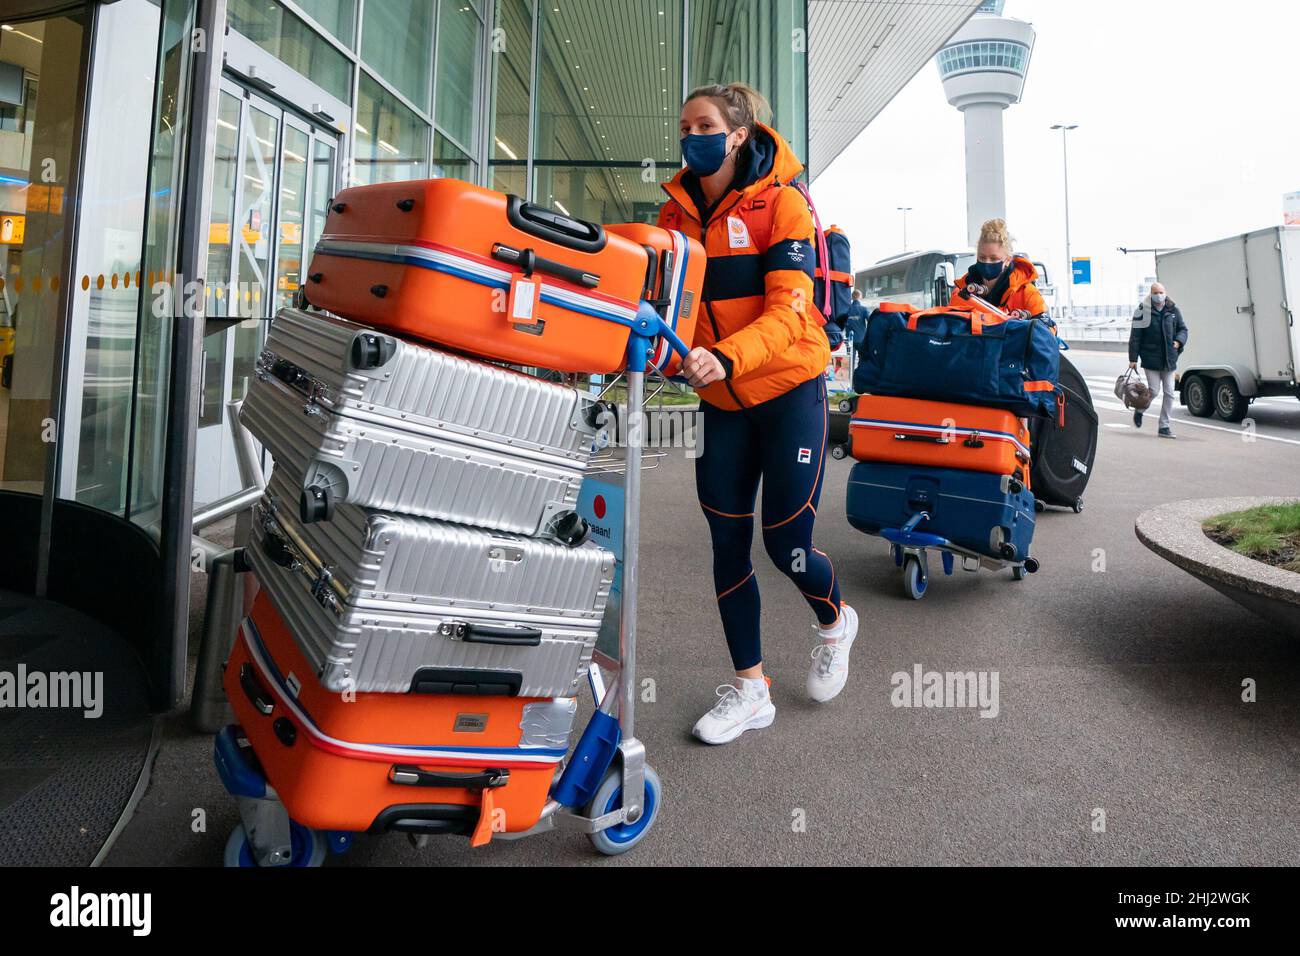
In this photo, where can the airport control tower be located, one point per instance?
(983, 69)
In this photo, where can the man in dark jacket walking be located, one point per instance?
(855, 327)
(1158, 337)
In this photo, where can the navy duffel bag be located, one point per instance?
(964, 356)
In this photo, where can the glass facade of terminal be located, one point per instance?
(570, 103)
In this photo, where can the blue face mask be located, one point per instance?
(704, 152)
(988, 271)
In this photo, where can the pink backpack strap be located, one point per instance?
(823, 250)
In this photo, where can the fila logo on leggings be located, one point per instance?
(805, 456)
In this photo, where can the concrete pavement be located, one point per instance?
(1120, 694)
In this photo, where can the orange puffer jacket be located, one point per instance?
(1021, 292)
(758, 290)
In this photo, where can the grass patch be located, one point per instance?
(673, 395)
(1270, 533)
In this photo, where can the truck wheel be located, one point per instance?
(1229, 403)
(1196, 396)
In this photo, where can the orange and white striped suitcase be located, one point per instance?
(913, 431)
(491, 275)
(473, 765)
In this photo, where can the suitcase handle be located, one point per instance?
(531, 262)
(279, 551)
(931, 439)
(544, 224)
(254, 691)
(412, 776)
(289, 373)
(493, 634)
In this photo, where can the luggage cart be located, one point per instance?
(909, 548)
(606, 789)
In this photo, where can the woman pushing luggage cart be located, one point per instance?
(758, 365)
(941, 432)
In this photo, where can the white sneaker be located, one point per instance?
(744, 705)
(830, 666)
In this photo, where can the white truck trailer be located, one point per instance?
(1235, 296)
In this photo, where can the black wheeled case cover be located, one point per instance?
(1064, 455)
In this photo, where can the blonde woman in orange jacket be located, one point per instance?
(1000, 276)
(757, 362)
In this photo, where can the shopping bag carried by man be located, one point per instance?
(1133, 392)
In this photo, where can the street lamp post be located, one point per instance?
(1069, 260)
(904, 210)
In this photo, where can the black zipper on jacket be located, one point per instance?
(717, 337)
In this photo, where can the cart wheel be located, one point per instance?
(1078, 505)
(307, 847)
(915, 580)
(621, 838)
(1018, 572)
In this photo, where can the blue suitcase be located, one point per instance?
(991, 515)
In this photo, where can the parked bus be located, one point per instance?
(925, 279)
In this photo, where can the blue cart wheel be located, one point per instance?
(609, 797)
(915, 580)
(307, 847)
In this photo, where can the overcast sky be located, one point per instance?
(1189, 130)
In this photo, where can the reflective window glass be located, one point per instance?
(289, 39)
(35, 230)
(336, 16)
(397, 44)
(391, 141)
(459, 32)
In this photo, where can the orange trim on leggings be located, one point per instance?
(821, 467)
(734, 587)
(723, 514)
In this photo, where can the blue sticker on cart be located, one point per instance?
(601, 503)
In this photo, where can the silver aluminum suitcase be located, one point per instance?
(383, 602)
(359, 417)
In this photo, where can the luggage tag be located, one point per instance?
(521, 305)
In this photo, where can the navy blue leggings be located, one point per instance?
(783, 443)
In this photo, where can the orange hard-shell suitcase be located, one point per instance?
(465, 764)
(673, 284)
(485, 273)
(913, 431)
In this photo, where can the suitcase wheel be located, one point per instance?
(300, 301)
(1032, 565)
(572, 529)
(307, 847)
(915, 577)
(370, 351)
(1039, 505)
(379, 291)
(315, 504)
(839, 452)
(621, 838)
(1078, 505)
(406, 205)
(846, 406)
(340, 207)
(1007, 551)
